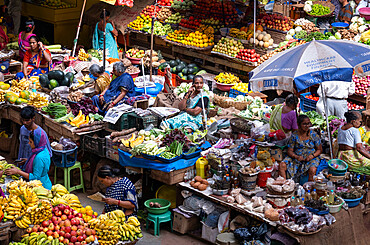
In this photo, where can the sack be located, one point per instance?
(166, 100)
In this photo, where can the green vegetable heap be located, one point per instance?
(319, 10)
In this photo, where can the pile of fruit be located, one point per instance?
(182, 69)
(182, 4)
(3, 166)
(220, 10)
(227, 78)
(23, 84)
(14, 98)
(190, 23)
(38, 100)
(135, 53)
(57, 4)
(82, 55)
(275, 21)
(174, 19)
(160, 29)
(163, 14)
(361, 84)
(248, 55)
(240, 33)
(151, 11)
(241, 87)
(228, 46)
(212, 22)
(140, 21)
(354, 106)
(78, 120)
(312, 97)
(263, 39)
(199, 39)
(164, 2)
(112, 227)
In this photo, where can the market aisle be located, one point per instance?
(165, 238)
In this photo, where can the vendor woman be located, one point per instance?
(303, 152)
(351, 149)
(103, 78)
(284, 116)
(37, 166)
(121, 193)
(121, 89)
(192, 106)
(36, 61)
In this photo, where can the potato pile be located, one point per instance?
(75, 96)
(248, 170)
(347, 34)
(199, 183)
(310, 27)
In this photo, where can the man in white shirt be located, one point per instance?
(336, 93)
(361, 4)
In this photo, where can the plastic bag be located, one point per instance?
(68, 144)
(242, 234)
(212, 219)
(259, 133)
(223, 222)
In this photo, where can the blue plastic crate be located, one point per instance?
(307, 104)
(233, 93)
(165, 160)
(152, 157)
(196, 153)
(64, 159)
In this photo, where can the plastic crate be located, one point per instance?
(122, 123)
(165, 160)
(307, 104)
(112, 154)
(109, 143)
(64, 159)
(142, 122)
(192, 155)
(233, 93)
(94, 144)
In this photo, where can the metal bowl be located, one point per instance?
(220, 192)
(89, 92)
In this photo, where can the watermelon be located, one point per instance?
(65, 82)
(56, 75)
(196, 69)
(53, 84)
(173, 63)
(192, 65)
(191, 76)
(182, 62)
(185, 71)
(180, 67)
(163, 66)
(44, 80)
(70, 77)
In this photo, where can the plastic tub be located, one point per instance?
(341, 168)
(353, 202)
(317, 212)
(365, 13)
(340, 24)
(134, 61)
(64, 159)
(248, 181)
(262, 178)
(224, 87)
(335, 208)
(134, 75)
(152, 157)
(165, 160)
(163, 202)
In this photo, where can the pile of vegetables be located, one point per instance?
(85, 105)
(175, 148)
(256, 109)
(319, 10)
(55, 110)
(355, 192)
(178, 136)
(334, 124)
(316, 119)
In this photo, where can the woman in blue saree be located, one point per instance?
(121, 89)
(36, 61)
(192, 107)
(111, 32)
(37, 166)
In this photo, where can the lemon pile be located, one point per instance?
(241, 87)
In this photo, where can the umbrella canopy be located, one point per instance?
(312, 63)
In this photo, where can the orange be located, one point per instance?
(83, 210)
(88, 208)
(89, 212)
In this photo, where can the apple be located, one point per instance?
(59, 213)
(77, 243)
(66, 211)
(61, 207)
(79, 215)
(80, 227)
(45, 223)
(93, 232)
(73, 222)
(62, 233)
(88, 232)
(57, 227)
(64, 217)
(67, 222)
(51, 227)
(73, 239)
(55, 234)
(68, 229)
(50, 238)
(83, 243)
(54, 219)
(84, 236)
(74, 212)
(79, 232)
(35, 228)
(66, 241)
(74, 228)
(29, 230)
(55, 209)
(61, 239)
(49, 233)
(80, 238)
(68, 236)
(73, 233)
(45, 229)
(70, 216)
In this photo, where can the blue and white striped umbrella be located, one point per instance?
(312, 63)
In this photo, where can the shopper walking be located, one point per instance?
(14, 10)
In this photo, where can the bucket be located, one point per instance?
(262, 177)
(248, 181)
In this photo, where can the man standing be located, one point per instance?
(28, 121)
(336, 93)
(345, 13)
(14, 10)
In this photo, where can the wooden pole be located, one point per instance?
(151, 51)
(78, 29)
(104, 23)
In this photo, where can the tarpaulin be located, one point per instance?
(139, 162)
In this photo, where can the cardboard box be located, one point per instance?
(183, 223)
(209, 233)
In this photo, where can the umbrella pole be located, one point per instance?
(151, 51)
(327, 120)
(78, 29)
(204, 110)
(254, 22)
(104, 23)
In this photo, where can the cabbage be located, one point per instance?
(332, 38)
(307, 8)
(291, 32)
(361, 29)
(298, 29)
(337, 35)
(288, 37)
(239, 98)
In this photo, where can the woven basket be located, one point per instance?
(226, 102)
(240, 125)
(326, 4)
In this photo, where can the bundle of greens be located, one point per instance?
(55, 110)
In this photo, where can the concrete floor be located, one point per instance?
(166, 237)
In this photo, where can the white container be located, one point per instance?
(335, 208)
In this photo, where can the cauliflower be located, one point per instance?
(332, 38)
(291, 32)
(361, 29)
(354, 19)
(288, 37)
(353, 27)
(337, 35)
(307, 8)
(239, 98)
(361, 21)
(298, 29)
(308, 3)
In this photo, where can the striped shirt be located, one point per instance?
(345, 13)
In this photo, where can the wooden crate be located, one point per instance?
(5, 232)
(159, 41)
(171, 178)
(14, 114)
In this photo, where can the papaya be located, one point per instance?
(25, 94)
(9, 94)
(12, 99)
(20, 101)
(4, 86)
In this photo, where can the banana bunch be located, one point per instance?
(14, 208)
(117, 215)
(27, 195)
(34, 183)
(72, 200)
(39, 239)
(17, 243)
(106, 229)
(82, 55)
(3, 166)
(227, 78)
(58, 200)
(234, 32)
(18, 86)
(59, 190)
(41, 212)
(38, 100)
(2, 93)
(130, 230)
(42, 193)
(23, 221)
